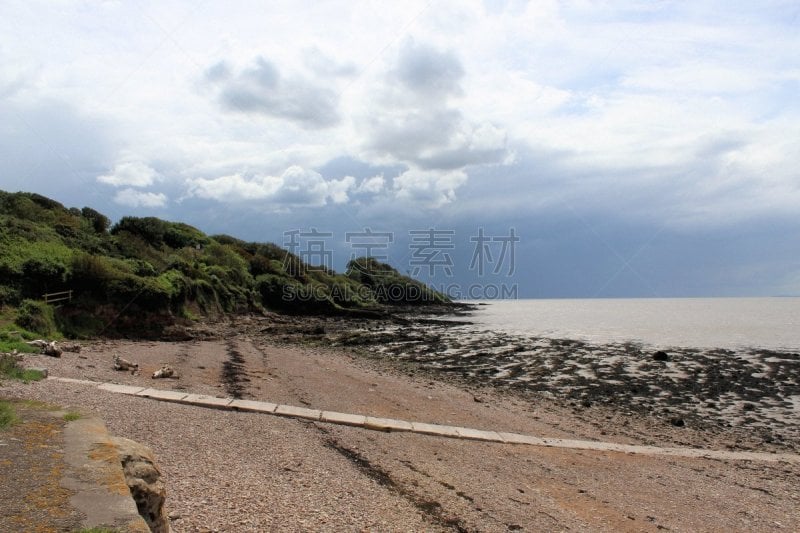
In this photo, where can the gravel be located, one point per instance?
(230, 471)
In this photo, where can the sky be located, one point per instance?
(539, 149)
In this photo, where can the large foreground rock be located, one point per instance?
(144, 480)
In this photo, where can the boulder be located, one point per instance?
(661, 356)
(145, 482)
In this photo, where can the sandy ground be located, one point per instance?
(228, 471)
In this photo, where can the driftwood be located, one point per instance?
(165, 371)
(124, 364)
(48, 348)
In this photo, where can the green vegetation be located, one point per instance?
(72, 415)
(36, 404)
(11, 370)
(140, 275)
(8, 417)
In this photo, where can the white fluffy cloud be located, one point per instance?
(373, 185)
(133, 198)
(429, 189)
(296, 186)
(130, 174)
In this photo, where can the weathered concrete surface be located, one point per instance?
(391, 424)
(298, 412)
(166, 395)
(345, 419)
(203, 400)
(94, 473)
(251, 405)
(120, 389)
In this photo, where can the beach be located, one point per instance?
(235, 471)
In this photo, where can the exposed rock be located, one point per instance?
(661, 356)
(165, 371)
(74, 348)
(124, 364)
(145, 483)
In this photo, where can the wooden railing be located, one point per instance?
(53, 297)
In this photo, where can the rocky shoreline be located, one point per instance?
(753, 393)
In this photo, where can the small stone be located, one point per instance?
(661, 356)
(677, 422)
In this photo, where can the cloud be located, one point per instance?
(134, 198)
(428, 189)
(322, 64)
(296, 186)
(373, 185)
(130, 174)
(415, 121)
(261, 89)
(428, 72)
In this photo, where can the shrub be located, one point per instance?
(391, 287)
(9, 295)
(43, 274)
(46, 203)
(290, 296)
(95, 273)
(151, 293)
(38, 317)
(141, 267)
(8, 417)
(151, 229)
(100, 223)
(179, 235)
(10, 369)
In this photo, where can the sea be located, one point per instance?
(730, 323)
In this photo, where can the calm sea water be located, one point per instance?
(689, 322)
